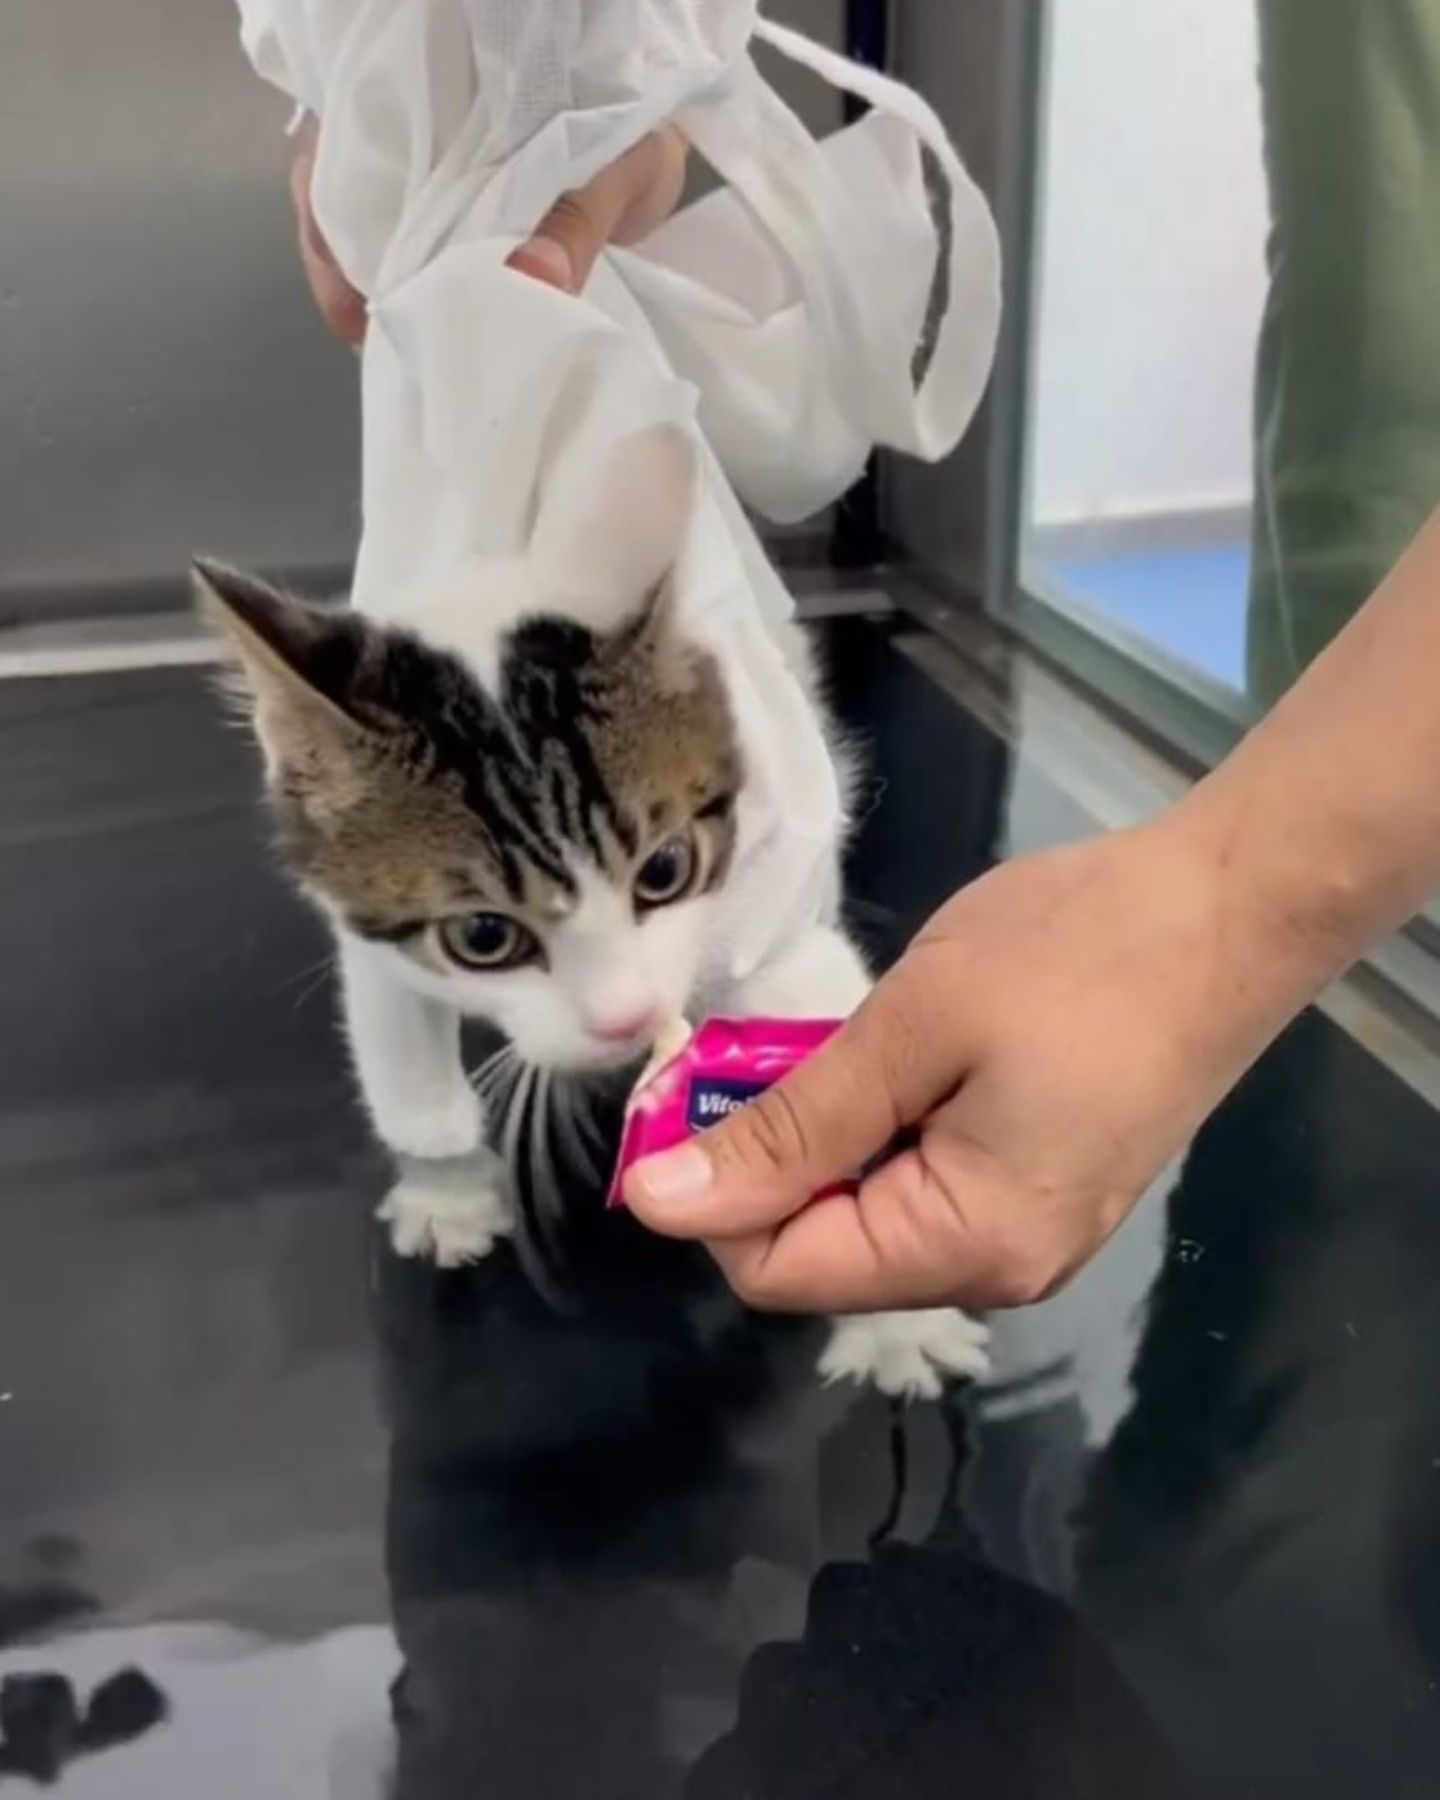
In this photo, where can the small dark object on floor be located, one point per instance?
(121, 1709)
(40, 1723)
(41, 1729)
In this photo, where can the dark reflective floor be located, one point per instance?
(574, 1524)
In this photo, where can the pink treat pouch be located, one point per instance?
(724, 1064)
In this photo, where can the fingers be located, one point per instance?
(917, 1234)
(623, 203)
(657, 178)
(838, 1255)
(817, 1127)
(341, 306)
(552, 255)
(577, 228)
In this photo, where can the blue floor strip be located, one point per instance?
(1188, 602)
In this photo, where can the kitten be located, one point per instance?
(522, 805)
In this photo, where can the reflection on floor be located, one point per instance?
(1190, 603)
(363, 1523)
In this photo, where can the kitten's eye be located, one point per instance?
(668, 873)
(486, 940)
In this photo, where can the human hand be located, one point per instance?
(621, 205)
(1051, 1038)
(341, 306)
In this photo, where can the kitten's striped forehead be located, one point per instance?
(589, 750)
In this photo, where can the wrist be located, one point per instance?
(1296, 898)
(1327, 816)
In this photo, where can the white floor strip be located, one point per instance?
(106, 659)
(173, 641)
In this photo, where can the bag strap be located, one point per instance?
(855, 291)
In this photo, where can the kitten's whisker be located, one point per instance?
(309, 979)
(494, 1078)
(549, 1204)
(306, 995)
(515, 1104)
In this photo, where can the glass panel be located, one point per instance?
(1150, 283)
(1234, 422)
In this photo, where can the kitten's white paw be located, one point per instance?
(820, 976)
(906, 1355)
(452, 1225)
(434, 1129)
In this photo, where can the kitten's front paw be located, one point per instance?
(450, 1222)
(906, 1355)
(434, 1129)
(821, 976)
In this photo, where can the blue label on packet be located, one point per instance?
(712, 1099)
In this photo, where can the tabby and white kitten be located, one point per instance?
(507, 813)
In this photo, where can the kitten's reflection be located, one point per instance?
(592, 1515)
(615, 1509)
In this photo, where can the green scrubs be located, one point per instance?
(1347, 393)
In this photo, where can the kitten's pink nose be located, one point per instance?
(625, 1028)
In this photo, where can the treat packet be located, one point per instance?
(695, 1079)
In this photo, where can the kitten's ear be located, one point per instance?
(620, 538)
(296, 662)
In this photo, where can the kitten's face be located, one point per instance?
(544, 853)
(542, 846)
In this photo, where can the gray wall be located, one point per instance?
(164, 385)
(823, 20)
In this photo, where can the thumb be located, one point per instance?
(620, 204)
(576, 229)
(819, 1126)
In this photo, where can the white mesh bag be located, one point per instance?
(825, 299)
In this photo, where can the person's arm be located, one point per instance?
(622, 205)
(1060, 1028)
